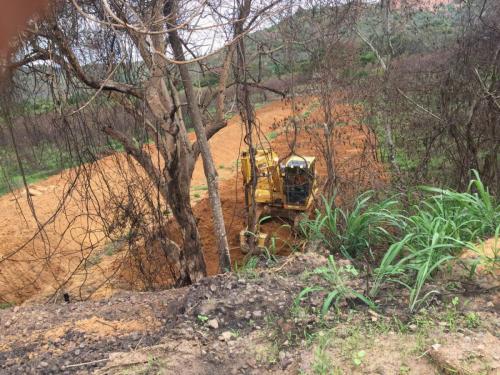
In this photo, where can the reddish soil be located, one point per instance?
(35, 265)
(52, 261)
(355, 165)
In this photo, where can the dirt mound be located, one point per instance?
(245, 323)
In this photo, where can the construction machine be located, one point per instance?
(283, 189)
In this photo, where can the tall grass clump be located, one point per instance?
(353, 232)
(419, 240)
(436, 231)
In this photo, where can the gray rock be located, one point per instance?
(257, 314)
(213, 323)
(207, 307)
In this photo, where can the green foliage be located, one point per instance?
(44, 160)
(436, 232)
(5, 305)
(358, 357)
(368, 57)
(420, 241)
(472, 320)
(200, 188)
(248, 268)
(209, 79)
(115, 145)
(323, 363)
(337, 289)
(202, 318)
(489, 259)
(356, 232)
(272, 135)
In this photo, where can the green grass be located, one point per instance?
(435, 232)
(419, 241)
(248, 268)
(44, 161)
(5, 305)
(353, 232)
(337, 289)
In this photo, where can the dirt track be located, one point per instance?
(75, 239)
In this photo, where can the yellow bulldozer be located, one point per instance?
(283, 189)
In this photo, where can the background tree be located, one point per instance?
(137, 52)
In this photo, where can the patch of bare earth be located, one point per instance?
(250, 323)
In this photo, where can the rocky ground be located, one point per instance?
(252, 322)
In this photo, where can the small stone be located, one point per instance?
(241, 281)
(226, 336)
(413, 327)
(7, 324)
(16, 309)
(44, 364)
(436, 346)
(77, 352)
(490, 304)
(287, 361)
(257, 314)
(213, 323)
(213, 288)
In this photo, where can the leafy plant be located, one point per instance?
(357, 358)
(248, 268)
(356, 232)
(440, 227)
(272, 135)
(202, 319)
(337, 289)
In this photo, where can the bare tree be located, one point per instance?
(140, 52)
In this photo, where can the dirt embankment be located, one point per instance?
(35, 263)
(72, 255)
(251, 323)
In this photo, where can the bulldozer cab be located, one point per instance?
(299, 180)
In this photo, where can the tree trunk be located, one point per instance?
(191, 256)
(208, 163)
